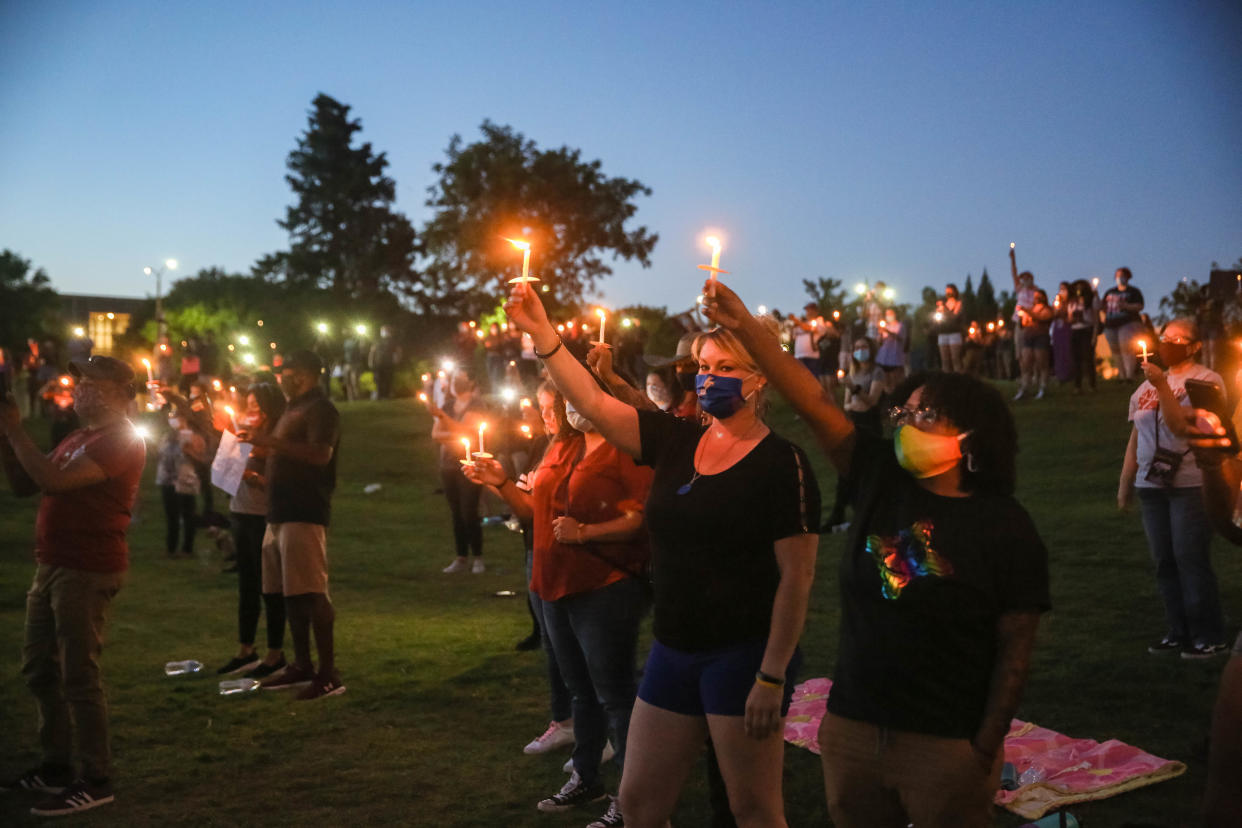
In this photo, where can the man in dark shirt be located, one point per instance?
(301, 474)
(1122, 324)
(89, 483)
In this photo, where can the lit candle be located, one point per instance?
(836, 314)
(422, 396)
(147, 363)
(524, 246)
(526, 431)
(602, 318)
(840, 373)
(465, 441)
(714, 267)
(525, 403)
(1012, 245)
(482, 428)
(1143, 345)
(232, 417)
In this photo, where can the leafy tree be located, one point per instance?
(342, 229)
(28, 305)
(828, 294)
(506, 186)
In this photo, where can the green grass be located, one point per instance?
(439, 704)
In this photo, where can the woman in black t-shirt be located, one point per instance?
(731, 515)
(942, 585)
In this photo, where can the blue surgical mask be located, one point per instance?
(721, 397)
(862, 355)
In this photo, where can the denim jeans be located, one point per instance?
(1179, 536)
(66, 610)
(559, 700)
(595, 636)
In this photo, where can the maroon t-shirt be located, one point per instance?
(85, 528)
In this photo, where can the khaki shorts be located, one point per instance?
(295, 558)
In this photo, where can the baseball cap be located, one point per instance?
(102, 368)
(307, 361)
(683, 352)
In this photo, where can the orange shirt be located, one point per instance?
(602, 486)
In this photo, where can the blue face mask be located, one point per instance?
(862, 355)
(721, 397)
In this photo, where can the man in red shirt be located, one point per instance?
(89, 483)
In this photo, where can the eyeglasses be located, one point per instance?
(1174, 339)
(900, 415)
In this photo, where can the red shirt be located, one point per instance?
(602, 486)
(85, 528)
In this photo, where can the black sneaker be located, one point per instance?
(611, 818)
(1168, 644)
(264, 670)
(239, 665)
(80, 796)
(1194, 652)
(574, 794)
(42, 779)
(530, 642)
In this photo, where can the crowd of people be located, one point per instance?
(653, 484)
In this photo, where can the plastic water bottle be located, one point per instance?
(1032, 775)
(1060, 819)
(182, 668)
(232, 687)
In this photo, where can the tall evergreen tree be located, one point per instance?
(970, 303)
(986, 298)
(343, 231)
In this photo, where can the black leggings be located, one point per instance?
(248, 537)
(463, 499)
(178, 510)
(1083, 355)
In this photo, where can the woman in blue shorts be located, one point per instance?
(731, 513)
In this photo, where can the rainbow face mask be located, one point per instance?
(924, 454)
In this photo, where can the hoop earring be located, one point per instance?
(971, 466)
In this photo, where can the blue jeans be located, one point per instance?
(595, 637)
(559, 700)
(1179, 535)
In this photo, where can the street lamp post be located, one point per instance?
(169, 264)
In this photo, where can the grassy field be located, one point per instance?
(439, 704)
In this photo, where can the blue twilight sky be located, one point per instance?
(909, 142)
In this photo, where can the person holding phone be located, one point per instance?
(1160, 466)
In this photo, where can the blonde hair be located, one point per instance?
(726, 341)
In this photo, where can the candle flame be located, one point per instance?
(713, 242)
(228, 409)
(465, 441)
(146, 362)
(600, 313)
(422, 396)
(519, 244)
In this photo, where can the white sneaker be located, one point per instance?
(458, 565)
(477, 566)
(608, 753)
(1039, 395)
(1021, 393)
(556, 736)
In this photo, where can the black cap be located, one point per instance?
(307, 361)
(102, 368)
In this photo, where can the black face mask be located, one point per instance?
(686, 381)
(1172, 354)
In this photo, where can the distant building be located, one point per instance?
(102, 318)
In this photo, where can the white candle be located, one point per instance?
(602, 319)
(232, 417)
(147, 363)
(482, 428)
(1143, 345)
(465, 441)
(524, 246)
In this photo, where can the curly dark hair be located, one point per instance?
(976, 406)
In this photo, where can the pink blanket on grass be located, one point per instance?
(1057, 769)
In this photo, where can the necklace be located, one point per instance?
(685, 487)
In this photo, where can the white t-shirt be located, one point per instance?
(804, 345)
(1144, 413)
